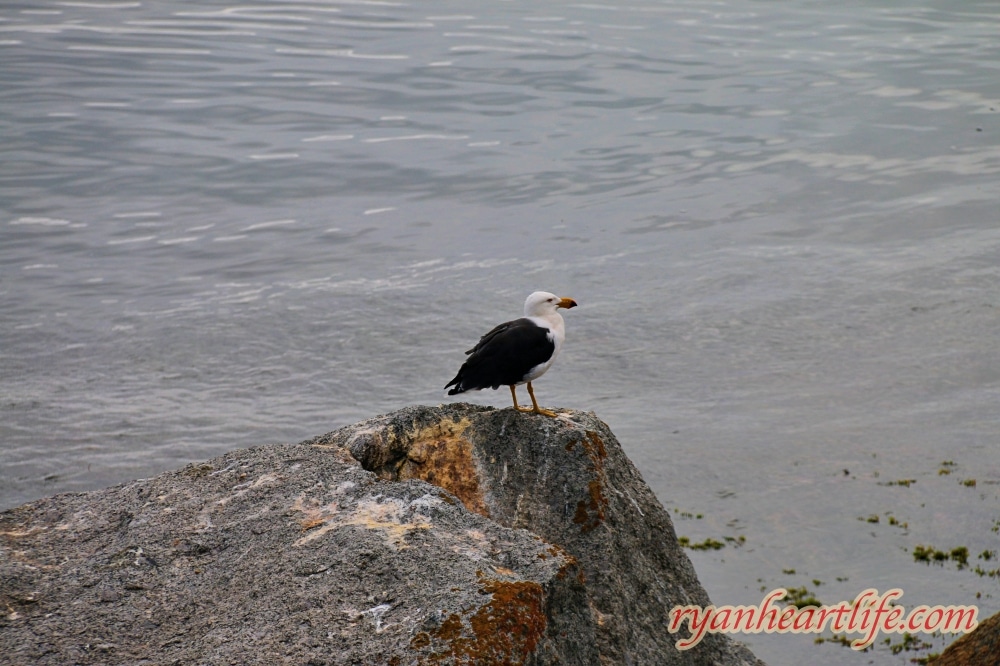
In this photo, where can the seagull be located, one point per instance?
(518, 351)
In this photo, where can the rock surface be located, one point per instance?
(979, 648)
(467, 535)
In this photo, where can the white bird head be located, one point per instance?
(542, 303)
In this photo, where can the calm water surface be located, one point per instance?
(224, 225)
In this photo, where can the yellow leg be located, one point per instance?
(513, 394)
(537, 409)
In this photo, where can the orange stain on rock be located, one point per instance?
(504, 631)
(440, 454)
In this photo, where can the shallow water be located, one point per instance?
(227, 225)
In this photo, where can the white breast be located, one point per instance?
(557, 333)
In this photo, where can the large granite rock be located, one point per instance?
(981, 647)
(466, 535)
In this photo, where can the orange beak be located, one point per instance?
(566, 303)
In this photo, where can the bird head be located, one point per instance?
(542, 303)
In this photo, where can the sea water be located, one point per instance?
(224, 225)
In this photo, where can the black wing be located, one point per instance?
(503, 356)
